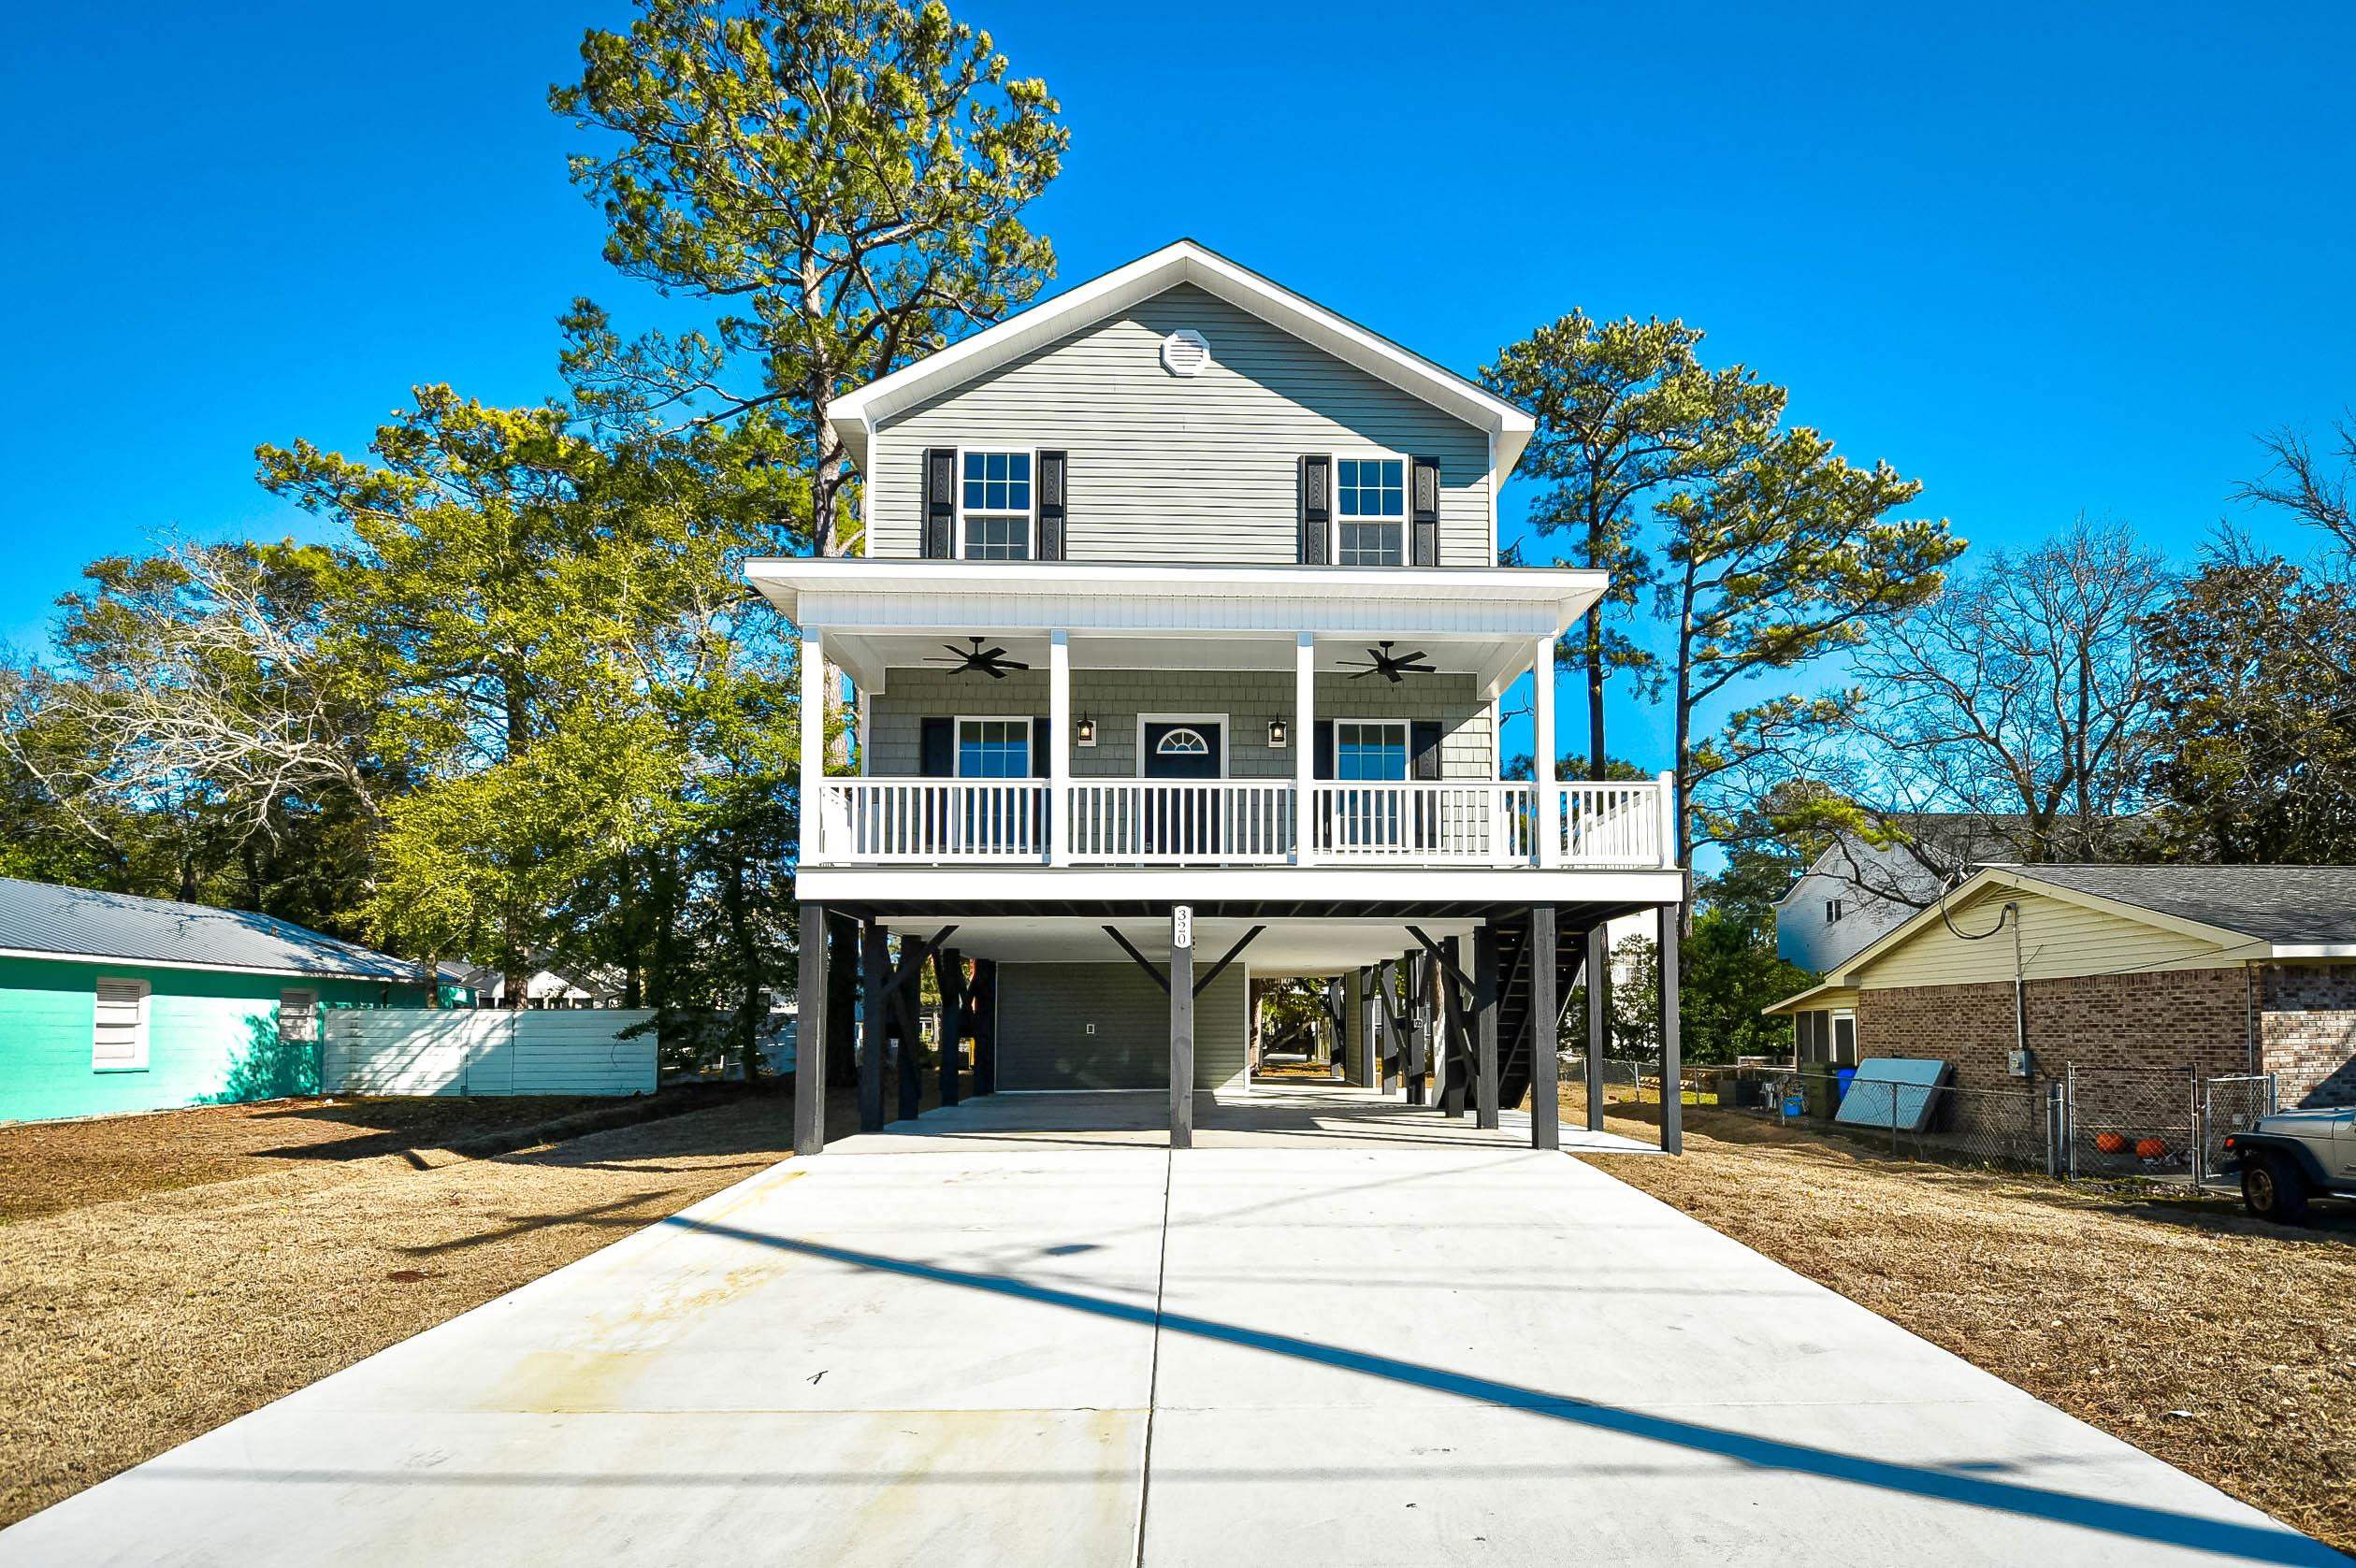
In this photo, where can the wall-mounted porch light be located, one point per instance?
(1087, 735)
(1275, 735)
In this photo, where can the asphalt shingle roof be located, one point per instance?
(36, 917)
(2298, 904)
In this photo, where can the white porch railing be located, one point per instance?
(1483, 823)
(1241, 822)
(936, 819)
(1233, 822)
(1615, 824)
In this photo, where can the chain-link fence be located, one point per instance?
(1625, 1079)
(2164, 1124)
(2132, 1121)
(2232, 1103)
(1908, 1121)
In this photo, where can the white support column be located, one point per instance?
(1303, 748)
(812, 748)
(1549, 799)
(1059, 747)
(1669, 822)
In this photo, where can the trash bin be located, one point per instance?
(1819, 1093)
(1845, 1076)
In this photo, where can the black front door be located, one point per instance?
(1182, 822)
(1181, 750)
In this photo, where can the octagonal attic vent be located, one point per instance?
(1185, 353)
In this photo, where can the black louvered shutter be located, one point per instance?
(1425, 515)
(940, 503)
(1317, 507)
(1323, 765)
(1052, 476)
(1422, 744)
(1040, 737)
(938, 758)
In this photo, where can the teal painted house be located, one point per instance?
(112, 1003)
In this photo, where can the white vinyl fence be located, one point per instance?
(501, 1051)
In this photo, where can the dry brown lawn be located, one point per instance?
(49, 1167)
(164, 1298)
(2219, 1344)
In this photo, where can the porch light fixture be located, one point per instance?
(1087, 730)
(1275, 735)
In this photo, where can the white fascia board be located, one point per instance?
(1339, 885)
(2294, 951)
(857, 414)
(126, 961)
(822, 592)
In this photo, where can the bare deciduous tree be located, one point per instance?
(2011, 717)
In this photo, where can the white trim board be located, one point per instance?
(931, 886)
(419, 978)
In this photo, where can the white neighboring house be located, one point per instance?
(1179, 635)
(551, 984)
(1849, 897)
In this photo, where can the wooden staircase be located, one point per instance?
(1516, 1037)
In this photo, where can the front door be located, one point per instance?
(1183, 822)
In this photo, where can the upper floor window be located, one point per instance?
(1833, 909)
(1370, 511)
(994, 506)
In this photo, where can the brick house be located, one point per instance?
(2024, 969)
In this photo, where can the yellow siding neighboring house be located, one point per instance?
(2058, 939)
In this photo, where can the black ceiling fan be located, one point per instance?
(991, 662)
(1391, 667)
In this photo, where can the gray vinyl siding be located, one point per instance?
(1115, 698)
(1044, 1011)
(1166, 468)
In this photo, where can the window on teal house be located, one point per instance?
(119, 1035)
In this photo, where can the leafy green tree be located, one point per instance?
(597, 722)
(1788, 557)
(846, 178)
(1626, 416)
(1729, 970)
(2255, 756)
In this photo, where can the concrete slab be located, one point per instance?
(960, 1341)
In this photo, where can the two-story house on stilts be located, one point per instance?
(1179, 642)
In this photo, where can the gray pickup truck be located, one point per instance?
(2288, 1157)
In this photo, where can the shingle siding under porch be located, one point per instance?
(1115, 698)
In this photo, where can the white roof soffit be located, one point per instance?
(857, 413)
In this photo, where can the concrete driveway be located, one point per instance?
(1020, 1333)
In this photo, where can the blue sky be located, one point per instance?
(2044, 261)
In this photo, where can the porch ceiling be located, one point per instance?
(885, 652)
(1287, 947)
(1485, 621)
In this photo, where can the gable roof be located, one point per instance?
(42, 921)
(856, 414)
(2250, 913)
(2296, 906)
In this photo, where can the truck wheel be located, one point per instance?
(2273, 1188)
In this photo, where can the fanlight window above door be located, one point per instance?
(1182, 742)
